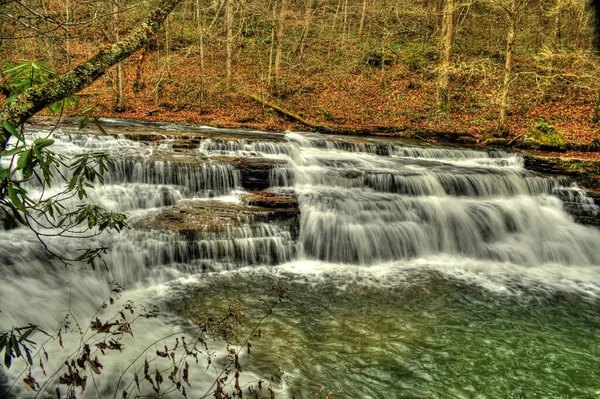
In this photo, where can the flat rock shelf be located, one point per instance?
(411, 270)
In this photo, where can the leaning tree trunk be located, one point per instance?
(39, 97)
(443, 97)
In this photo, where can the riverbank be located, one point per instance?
(581, 166)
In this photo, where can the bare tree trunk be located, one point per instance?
(229, 44)
(272, 47)
(556, 36)
(510, 47)
(362, 19)
(167, 46)
(39, 97)
(383, 47)
(138, 85)
(201, 38)
(280, 32)
(308, 15)
(68, 37)
(443, 97)
(335, 17)
(345, 23)
(49, 47)
(119, 100)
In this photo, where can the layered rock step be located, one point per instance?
(262, 228)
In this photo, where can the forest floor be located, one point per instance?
(360, 101)
(347, 96)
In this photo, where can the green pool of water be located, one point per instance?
(422, 336)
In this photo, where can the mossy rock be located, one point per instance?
(544, 136)
(586, 172)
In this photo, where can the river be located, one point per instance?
(411, 270)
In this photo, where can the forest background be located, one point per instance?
(480, 68)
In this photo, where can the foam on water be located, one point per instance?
(376, 215)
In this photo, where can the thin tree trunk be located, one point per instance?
(510, 46)
(362, 19)
(383, 41)
(272, 47)
(229, 44)
(308, 14)
(119, 100)
(39, 97)
(167, 47)
(556, 38)
(443, 97)
(138, 85)
(68, 38)
(201, 38)
(49, 48)
(345, 23)
(335, 17)
(280, 32)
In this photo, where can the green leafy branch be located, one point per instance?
(36, 161)
(28, 74)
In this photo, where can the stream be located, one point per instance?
(411, 270)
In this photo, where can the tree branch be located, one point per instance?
(37, 98)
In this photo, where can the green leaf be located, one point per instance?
(42, 143)
(10, 129)
(15, 345)
(24, 159)
(27, 333)
(3, 339)
(99, 125)
(4, 173)
(14, 198)
(8, 355)
(12, 151)
(72, 182)
(14, 68)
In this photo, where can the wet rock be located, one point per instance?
(7, 221)
(582, 205)
(186, 144)
(192, 218)
(254, 172)
(269, 199)
(586, 172)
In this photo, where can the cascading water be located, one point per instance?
(413, 270)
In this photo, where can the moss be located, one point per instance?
(543, 134)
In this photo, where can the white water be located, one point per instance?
(372, 211)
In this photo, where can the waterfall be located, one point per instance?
(362, 202)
